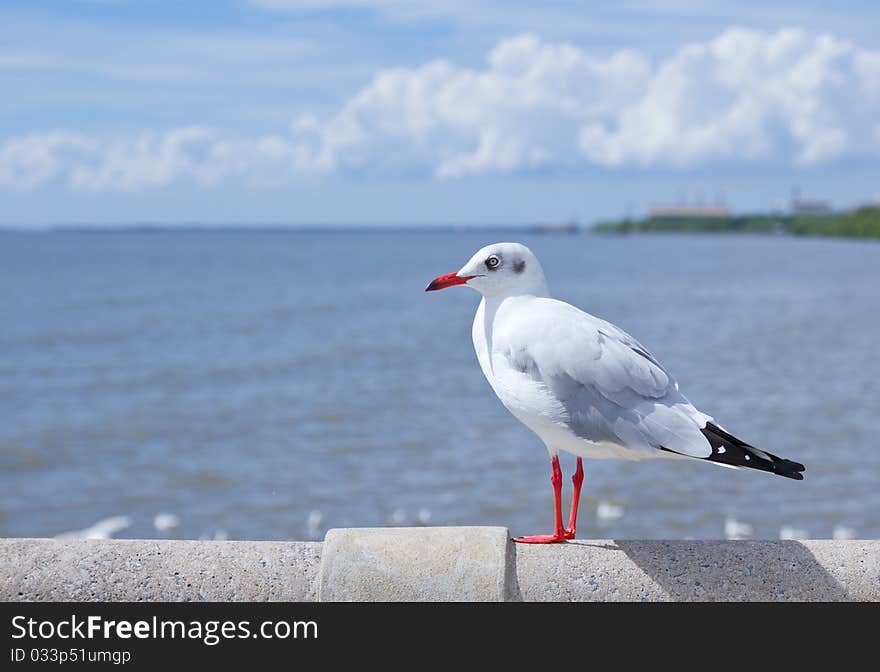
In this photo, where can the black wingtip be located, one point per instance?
(727, 449)
(788, 468)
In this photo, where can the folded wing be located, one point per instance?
(611, 387)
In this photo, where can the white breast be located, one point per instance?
(531, 402)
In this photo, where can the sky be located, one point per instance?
(408, 113)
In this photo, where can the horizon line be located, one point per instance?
(281, 226)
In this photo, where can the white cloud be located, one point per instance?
(30, 160)
(147, 160)
(747, 96)
(522, 112)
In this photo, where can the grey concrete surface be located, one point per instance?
(152, 570)
(687, 571)
(466, 563)
(414, 564)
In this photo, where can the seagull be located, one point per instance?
(583, 385)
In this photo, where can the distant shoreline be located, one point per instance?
(267, 228)
(860, 223)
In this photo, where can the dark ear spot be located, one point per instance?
(519, 266)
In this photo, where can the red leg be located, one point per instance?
(577, 480)
(558, 531)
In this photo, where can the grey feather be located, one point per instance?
(612, 388)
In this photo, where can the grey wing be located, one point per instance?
(613, 389)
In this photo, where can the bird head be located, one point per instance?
(508, 269)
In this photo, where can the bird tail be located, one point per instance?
(727, 449)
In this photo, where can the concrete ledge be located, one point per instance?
(690, 571)
(396, 564)
(402, 564)
(120, 570)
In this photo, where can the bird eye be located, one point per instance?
(492, 262)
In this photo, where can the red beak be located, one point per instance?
(449, 280)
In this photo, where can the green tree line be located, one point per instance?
(860, 223)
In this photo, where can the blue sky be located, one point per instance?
(390, 111)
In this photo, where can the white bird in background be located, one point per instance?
(581, 384)
(103, 529)
(165, 522)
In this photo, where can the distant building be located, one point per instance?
(689, 212)
(811, 207)
(807, 206)
(562, 227)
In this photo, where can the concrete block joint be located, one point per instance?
(437, 564)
